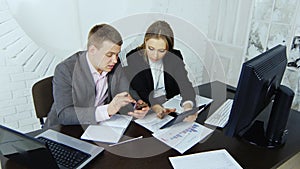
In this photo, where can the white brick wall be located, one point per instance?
(22, 63)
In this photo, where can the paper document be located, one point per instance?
(152, 122)
(182, 136)
(205, 160)
(117, 120)
(109, 131)
(175, 102)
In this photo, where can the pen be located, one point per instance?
(136, 138)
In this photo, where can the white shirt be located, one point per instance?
(101, 113)
(157, 70)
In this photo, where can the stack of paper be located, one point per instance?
(152, 122)
(205, 160)
(182, 136)
(109, 131)
(175, 102)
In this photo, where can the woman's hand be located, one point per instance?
(190, 118)
(160, 111)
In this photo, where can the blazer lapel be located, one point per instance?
(109, 96)
(85, 68)
(83, 79)
(149, 79)
(148, 74)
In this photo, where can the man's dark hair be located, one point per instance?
(100, 33)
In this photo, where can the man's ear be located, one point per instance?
(92, 49)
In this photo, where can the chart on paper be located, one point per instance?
(182, 136)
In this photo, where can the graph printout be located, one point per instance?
(182, 136)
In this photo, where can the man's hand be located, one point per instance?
(140, 113)
(120, 100)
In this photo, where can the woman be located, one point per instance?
(156, 70)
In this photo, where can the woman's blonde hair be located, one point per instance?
(159, 30)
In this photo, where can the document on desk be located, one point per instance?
(206, 160)
(152, 122)
(109, 131)
(175, 102)
(182, 136)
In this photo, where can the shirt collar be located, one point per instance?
(156, 64)
(92, 69)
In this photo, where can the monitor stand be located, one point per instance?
(275, 134)
(256, 135)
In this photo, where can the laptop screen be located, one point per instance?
(25, 150)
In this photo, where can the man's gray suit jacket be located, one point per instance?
(74, 92)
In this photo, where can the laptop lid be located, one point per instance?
(81, 145)
(24, 150)
(32, 153)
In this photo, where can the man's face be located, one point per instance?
(104, 58)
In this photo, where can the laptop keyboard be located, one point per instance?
(65, 155)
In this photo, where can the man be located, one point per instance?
(89, 87)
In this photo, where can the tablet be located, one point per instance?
(181, 116)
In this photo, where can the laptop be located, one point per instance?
(35, 152)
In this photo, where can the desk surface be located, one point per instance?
(151, 153)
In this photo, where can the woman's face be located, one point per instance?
(156, 49)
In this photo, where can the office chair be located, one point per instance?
(42, 98)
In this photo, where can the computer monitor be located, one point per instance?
(258, 84)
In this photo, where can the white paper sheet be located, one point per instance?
(117, 120)
(175, 102)
(109, 131)
(216, 159)
(182, 136)
(105, 134)
(152, 122)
